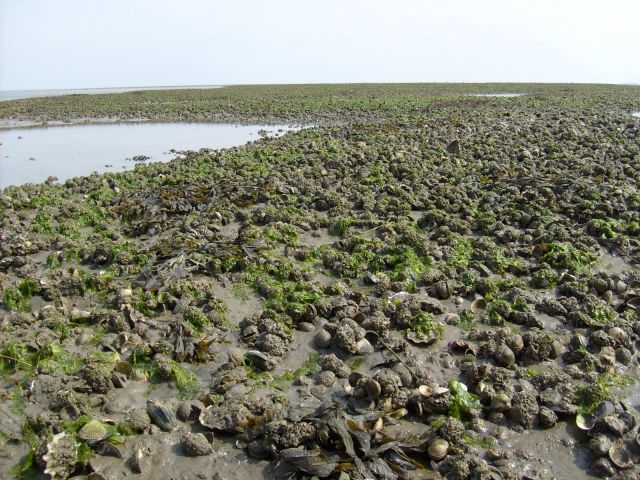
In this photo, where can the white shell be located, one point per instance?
(584, 421)
(55, 465)
(425, 390)
(440, 391)
(478, 304)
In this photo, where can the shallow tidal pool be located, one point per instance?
(34, 154)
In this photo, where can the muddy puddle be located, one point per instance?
(33, 154)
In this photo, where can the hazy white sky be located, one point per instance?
(110, 43)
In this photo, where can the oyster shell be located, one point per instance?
(260, 360)
(230, 418)
(425, 339)
(60, 459)
(94, 431)
(619, 455)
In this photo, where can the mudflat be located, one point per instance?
(427, 283)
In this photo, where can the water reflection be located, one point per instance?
(33, 154)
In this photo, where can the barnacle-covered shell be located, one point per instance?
(195, 444)
(500, 403)
(139, 461)
(60, 459)
(230, 418)
(139, 419)
(235, 357)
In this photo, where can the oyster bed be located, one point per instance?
(425, 285)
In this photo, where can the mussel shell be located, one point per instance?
(259, 360)
(355, 377)
(309, 461)
(372, 388)
(106, 449)
(161, 416)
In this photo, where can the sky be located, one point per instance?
(120, 43)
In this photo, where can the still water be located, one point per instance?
(34, 154)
